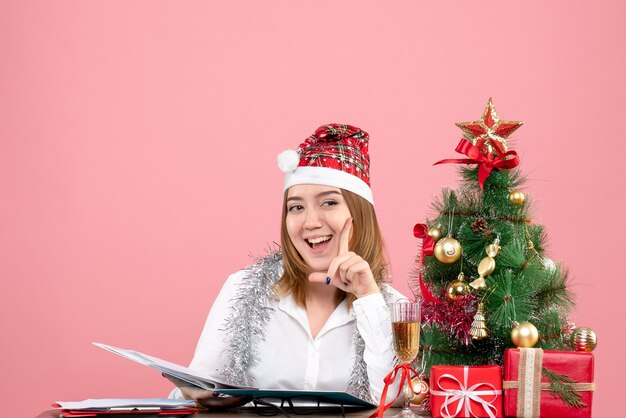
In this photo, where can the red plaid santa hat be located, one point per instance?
(335, 155)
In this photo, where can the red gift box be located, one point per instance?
(526, 385)
(466, 391)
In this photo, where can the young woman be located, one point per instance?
(315, 315)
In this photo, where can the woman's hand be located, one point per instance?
(348, 271)
(206, 398)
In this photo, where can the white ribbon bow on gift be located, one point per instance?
(464, 395)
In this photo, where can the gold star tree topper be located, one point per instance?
(490, 132)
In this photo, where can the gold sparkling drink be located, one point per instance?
(406, 337)
(405, 328)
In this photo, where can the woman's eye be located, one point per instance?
(295, 208)
(329, 203)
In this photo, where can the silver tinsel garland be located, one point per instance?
(251, 314)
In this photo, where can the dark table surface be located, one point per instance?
(54, 413)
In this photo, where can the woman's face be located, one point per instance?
(316, 216)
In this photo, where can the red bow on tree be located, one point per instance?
(486, 163)
(428, 248)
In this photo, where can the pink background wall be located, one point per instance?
(138, 144)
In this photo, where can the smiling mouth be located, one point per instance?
(316, 242)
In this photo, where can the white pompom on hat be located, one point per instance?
(288, 160)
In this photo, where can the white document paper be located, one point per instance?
(106, 404)
(194, 377)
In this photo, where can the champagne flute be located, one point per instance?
(405, 322)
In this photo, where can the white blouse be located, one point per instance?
(290, 358)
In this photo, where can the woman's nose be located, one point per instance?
(312, 219)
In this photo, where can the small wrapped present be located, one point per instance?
(466, 391)
(550, 384)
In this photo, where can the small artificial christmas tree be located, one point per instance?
(482, 273)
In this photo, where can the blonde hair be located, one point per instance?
(366, 241)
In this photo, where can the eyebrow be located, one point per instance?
(322, 194)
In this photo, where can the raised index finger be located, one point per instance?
(344, 239)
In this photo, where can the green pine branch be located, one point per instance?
(554, 290)
(561, 386)
(499, 179)
(511, 300)
(537, 234)
(514, 253)
(551, 323)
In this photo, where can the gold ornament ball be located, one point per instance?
(584, 339)
(448, 250)
(457, 288)
(525, 335)
(517, 197)
(435, 233)
(422, 389)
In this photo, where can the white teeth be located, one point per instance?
(318, 239)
